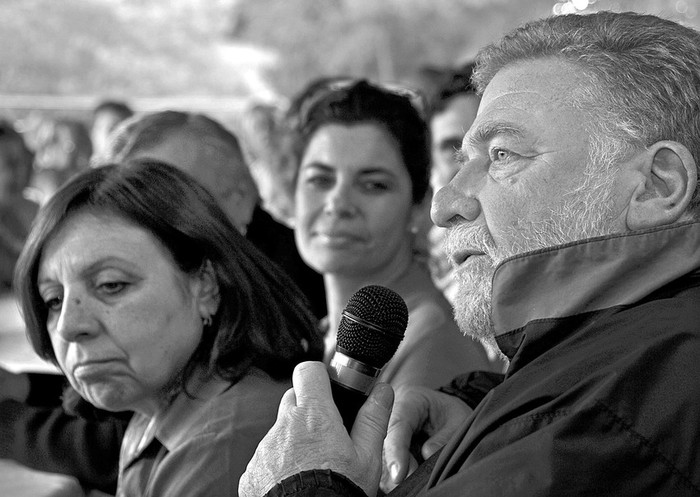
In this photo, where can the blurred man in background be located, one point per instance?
(451, 110)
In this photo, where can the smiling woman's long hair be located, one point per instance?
(263, 319)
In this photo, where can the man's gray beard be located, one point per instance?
(586, 213)
(472, 303)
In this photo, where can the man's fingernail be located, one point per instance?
(394, 471)
(384, 394)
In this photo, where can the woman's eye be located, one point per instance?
(375, 186)
(53, 303)
(319, 181)
(112, 287)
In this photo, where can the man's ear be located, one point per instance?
(207, 289)
(670, 179)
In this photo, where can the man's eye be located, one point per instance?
(500, 154)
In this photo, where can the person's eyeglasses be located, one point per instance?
(333, 89)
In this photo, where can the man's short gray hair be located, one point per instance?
(640, 79)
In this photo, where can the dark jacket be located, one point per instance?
(601, 396)
(276, 241)
(40, 434)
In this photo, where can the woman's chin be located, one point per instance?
(108, 398)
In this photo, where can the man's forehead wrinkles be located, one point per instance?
(482, 132)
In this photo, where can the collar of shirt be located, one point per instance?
(171, 425)
(588, 276)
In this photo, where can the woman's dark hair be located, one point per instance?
(263, 319)
(338, 100)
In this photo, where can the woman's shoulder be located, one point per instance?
(426, 304)
(218, 407)
(254, 396)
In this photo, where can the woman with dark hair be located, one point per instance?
(137, 286)
(363, 153)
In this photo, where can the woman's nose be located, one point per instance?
(76, 321)
(457, 201)
(339, 203)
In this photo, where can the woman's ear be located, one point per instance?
(207, 290)
(670, 179)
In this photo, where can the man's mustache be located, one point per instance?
(463, 237)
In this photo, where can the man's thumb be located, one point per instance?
(372, 419)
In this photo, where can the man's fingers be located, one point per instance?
(372, 420)
(311, 384)
(395, 474)
(436, 442)
(397, 449)
(406, 419)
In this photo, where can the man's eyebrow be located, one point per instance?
(484, 132)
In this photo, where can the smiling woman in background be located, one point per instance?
(135, 283)
(364, 161)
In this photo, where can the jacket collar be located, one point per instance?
(589, 275)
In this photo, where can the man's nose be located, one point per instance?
(76, 320)
(457, 201)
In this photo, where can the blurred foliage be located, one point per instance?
(390, 40)
(387, 40)
(235, 48)
(128, 47)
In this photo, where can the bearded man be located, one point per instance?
(572, 229)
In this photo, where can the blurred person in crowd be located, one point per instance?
(363, 169)
(451, 111)
(62, 149)
(106, 115)
(573, 222)
(202, 147)
(16, 211)
(135, 284)
(263, 140)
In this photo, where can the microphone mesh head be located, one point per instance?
(386, 317)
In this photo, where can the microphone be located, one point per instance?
(371, 328)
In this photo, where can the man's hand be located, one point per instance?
(309, 434)
(418, 409)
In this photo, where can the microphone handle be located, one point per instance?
(348, 402)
